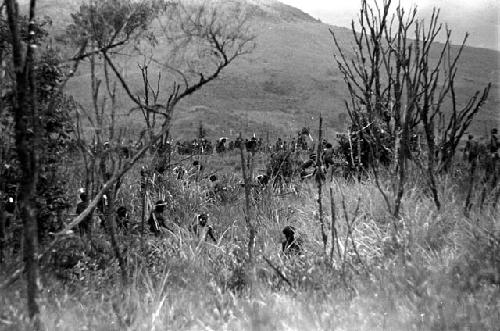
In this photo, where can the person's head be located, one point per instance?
(82, 194)
(10, 205)
(160, 206)
(202, 219)
(213, 178)
(494, 131)
(262, 179)
(289, 232)
(121, 212)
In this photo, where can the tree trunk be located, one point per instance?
(333, 228)
(248, 221)
(3, 234)
(25, 118)
(111, 227)
(319, 183)
(429, 134)
(144, 190)
(402, 152)
(2, 230)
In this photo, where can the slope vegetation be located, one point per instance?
(286, 82)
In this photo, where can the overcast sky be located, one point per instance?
(478, 17)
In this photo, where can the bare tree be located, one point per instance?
(104, 27)
(398, 90)
(105, 153)
(202, 40)
(151, 95)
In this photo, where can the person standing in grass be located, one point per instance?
(85, 225)
(157, 222)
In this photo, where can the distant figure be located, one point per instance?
(125, 151)
(202, 229)
(251, 145)
(195, 170)
(122, 218)
(494, 144)
(279, 145)
(217, 190)
(160, 167)
(85, 225)
(103, 204)
(291, 245)
(238, 142)
(307, 167)
(293, 145)
(220, 146)
(179, 172)
(10, 205)
(197, 166)
(156, 220)
(328, 154)
(10, 209)
(263, 180)
(471, 150)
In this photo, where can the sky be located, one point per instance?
(478, 17)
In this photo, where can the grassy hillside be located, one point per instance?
(438, 275)
(288, 80)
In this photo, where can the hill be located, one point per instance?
(287, 81)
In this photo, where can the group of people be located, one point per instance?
(157, 222)
(85, 226)
(482, 150)
(294, 145)
(203, 146)
(327, 159)
(200, 146)
(252, 145)
(201, 227)
(255, 144)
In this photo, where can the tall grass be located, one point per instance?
(440, 273)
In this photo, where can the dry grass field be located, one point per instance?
(442, 279)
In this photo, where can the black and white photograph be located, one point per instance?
(249, 165)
